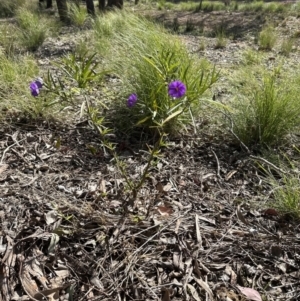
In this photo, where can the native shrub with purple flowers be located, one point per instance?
(167, 88)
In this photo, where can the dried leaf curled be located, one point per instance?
(250, 293)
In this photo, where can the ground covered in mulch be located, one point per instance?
(195, 227)
(200, 228)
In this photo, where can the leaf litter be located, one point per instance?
(64, 234)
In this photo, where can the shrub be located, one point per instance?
(146, 59)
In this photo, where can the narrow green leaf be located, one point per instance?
(172, 116)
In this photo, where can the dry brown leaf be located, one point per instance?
(230, 174)
(198, 234)
(250, 293)
(270, 212)
(165, 294)
(205, 286)
(209, 220)
(51, 217)
(193, 292)
(3, 168)
(164, 211)
(160, 188)
(167, 187)
(178, 222)
(102, 186)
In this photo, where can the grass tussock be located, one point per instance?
(287, 46)
(9, 43)
(221, 39)
(266, 107)
(34, 28)
(267, 38)
(251, 57)
(286, 196)
(8, 8)
(78, 15)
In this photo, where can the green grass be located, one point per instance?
(9, 39)
(287, 46)
(267, 38)
(208, 6)
(221, 40)
(202, 44)
(34, 28)
(251, 57)
(286, 196)
(8, 8)
(78, 15)
(15, 76)
(266, 106)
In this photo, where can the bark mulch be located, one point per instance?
(198, 230)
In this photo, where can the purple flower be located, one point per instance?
(132, 99)
(39, 82)
(176, 89)
(36, 86)
(34, 89)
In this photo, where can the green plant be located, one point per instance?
(189, 26)
(287, 46)
(78, 15)
(33, 29)
(202, 45)
(148, 60)
(161, 4)
(14, 74)
(265, 110)
(9, 39)
(59, 92)
(175, 25)
(287, 195)
(221, 40)
(81, 68)
(251, 57)
(267, 38)
(8, 7)
(155, 108)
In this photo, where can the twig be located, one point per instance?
(147, 241)
(236, 137)
(218, 164)
(268, 163)
(7, 149)
(231, 130)
(87, 293)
